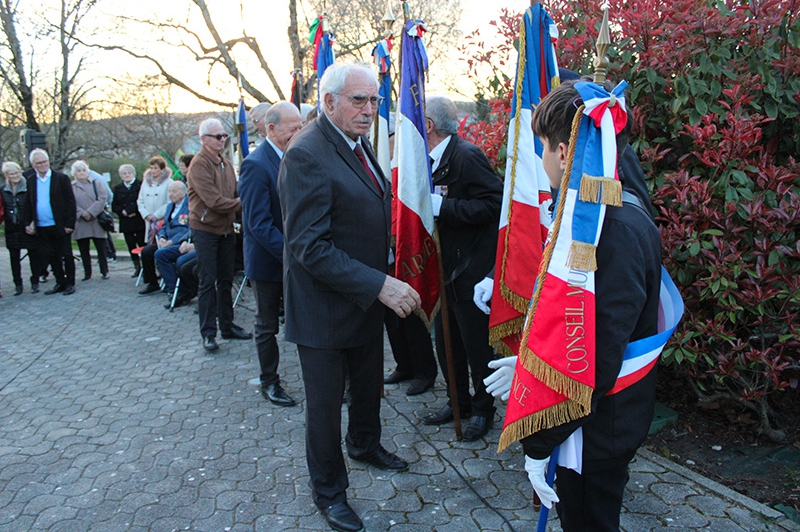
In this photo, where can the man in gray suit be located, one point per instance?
(336, 217)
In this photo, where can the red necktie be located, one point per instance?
(360, 154)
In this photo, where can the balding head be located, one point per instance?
(282, 122)
(441, 119)
(176, 192)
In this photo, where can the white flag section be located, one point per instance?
(412, 171)
(382, 145)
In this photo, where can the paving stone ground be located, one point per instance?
(114, 418)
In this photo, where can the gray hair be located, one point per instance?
(78, 164)
(10, 166)
(335, 78)
(37, 151)
(278, 111)
(127, 167)
(179, 184)
(206, 124)
(442, 112)
(258, 111)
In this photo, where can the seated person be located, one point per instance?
(174, 231)
(187, 273)
(170, 260)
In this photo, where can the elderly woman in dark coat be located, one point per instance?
(90, 200)
(131, 223)
(17, 214)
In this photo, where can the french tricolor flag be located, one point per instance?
(415, 256)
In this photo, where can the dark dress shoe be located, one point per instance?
(149, 290)
(18, 290)
(418, 386)
(43, 279)
(34, 289)
(445, 415)
(382, 459)
(56, 289)
(86, 277)
(210, 343)
(236, 333)
(69, 290)
(397, 376)
(341, 517)
(106, 276)
(135, 274)
(275, 394)
(477, 428)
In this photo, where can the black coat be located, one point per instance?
(125, 200)
(469, 215)
(18, 215)
(62, 200)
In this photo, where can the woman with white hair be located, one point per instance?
(131, 223)
(90, 200)
(18, 215)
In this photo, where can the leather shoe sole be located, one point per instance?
(397, 376)
(210, 344)
(383, 459)
(477, 428)
(341, 517)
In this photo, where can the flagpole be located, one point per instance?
(388, 21)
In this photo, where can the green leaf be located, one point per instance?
(694, 249)
(701, 106)
(771, 108)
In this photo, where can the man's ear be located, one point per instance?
(329, 98)
(562, 151)
(428, 125)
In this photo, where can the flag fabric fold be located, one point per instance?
(323, 50)
(555, 373)
(380, 141)
(524, 218)
(241, 127)
(415, 256)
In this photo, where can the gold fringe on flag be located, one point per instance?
(599, 189)
(555, 81)
(504, 330)
(550, 417)
(582, 256)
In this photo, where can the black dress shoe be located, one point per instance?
(56, 289)
(341, 517)
(236, 333)
(149, 290)
(477, 428)
(86, 277)
(275, 394)
(397, 376)
(445, 415)
(382, 459)
(69, 290)
(210, 343)
(34, 289)
(106, 276)
(135, 274)
(418, 386)
(18, 290)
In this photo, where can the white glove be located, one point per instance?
(536, 474)
(482, 294)
(436, 202)
(499, 383)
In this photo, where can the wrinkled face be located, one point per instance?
(41, 163)
(282, 133)
(155, 171)
(341, 108)
(214, 138)
(127, 175)
(81, 173)
(176, 193)
(13, 176)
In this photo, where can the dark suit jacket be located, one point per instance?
(62, 200)
(262, 222)
(125, 200)
(176, 229)
(469, 215)
(336, 225)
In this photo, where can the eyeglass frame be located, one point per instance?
(375, 101)
(218, 136)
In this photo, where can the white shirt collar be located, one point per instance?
(350, 142)
(438, 151)
(46, 176)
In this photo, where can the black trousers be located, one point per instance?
(188, 276)
(412, 347)
(469, 333)
(134, 239)
(149, 264)
(268, 305)
(324, 372)
(86, 257)
(215, 259)
(15, 256)
(592, 500)
(56, 251)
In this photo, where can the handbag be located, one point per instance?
(105, 218)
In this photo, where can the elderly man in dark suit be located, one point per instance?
(52, 204)
(336, 219)
(262, 225)
(467, 202)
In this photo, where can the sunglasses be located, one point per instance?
(218, 136)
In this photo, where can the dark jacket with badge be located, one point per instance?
(469, 216)
(125, 200)
(17, 215)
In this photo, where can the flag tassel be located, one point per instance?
(599, 189)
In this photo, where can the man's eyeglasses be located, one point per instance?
(360, 101)
(218, 136)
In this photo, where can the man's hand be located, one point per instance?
(150, 218)
(68, 230)
(399, 296)
(30, 228)
(536, 474)
(499, 383)
(482, 294)
(186, 247)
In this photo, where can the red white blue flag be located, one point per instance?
(524, 218)
(382, 56)
(323, 50)
(415, 256)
